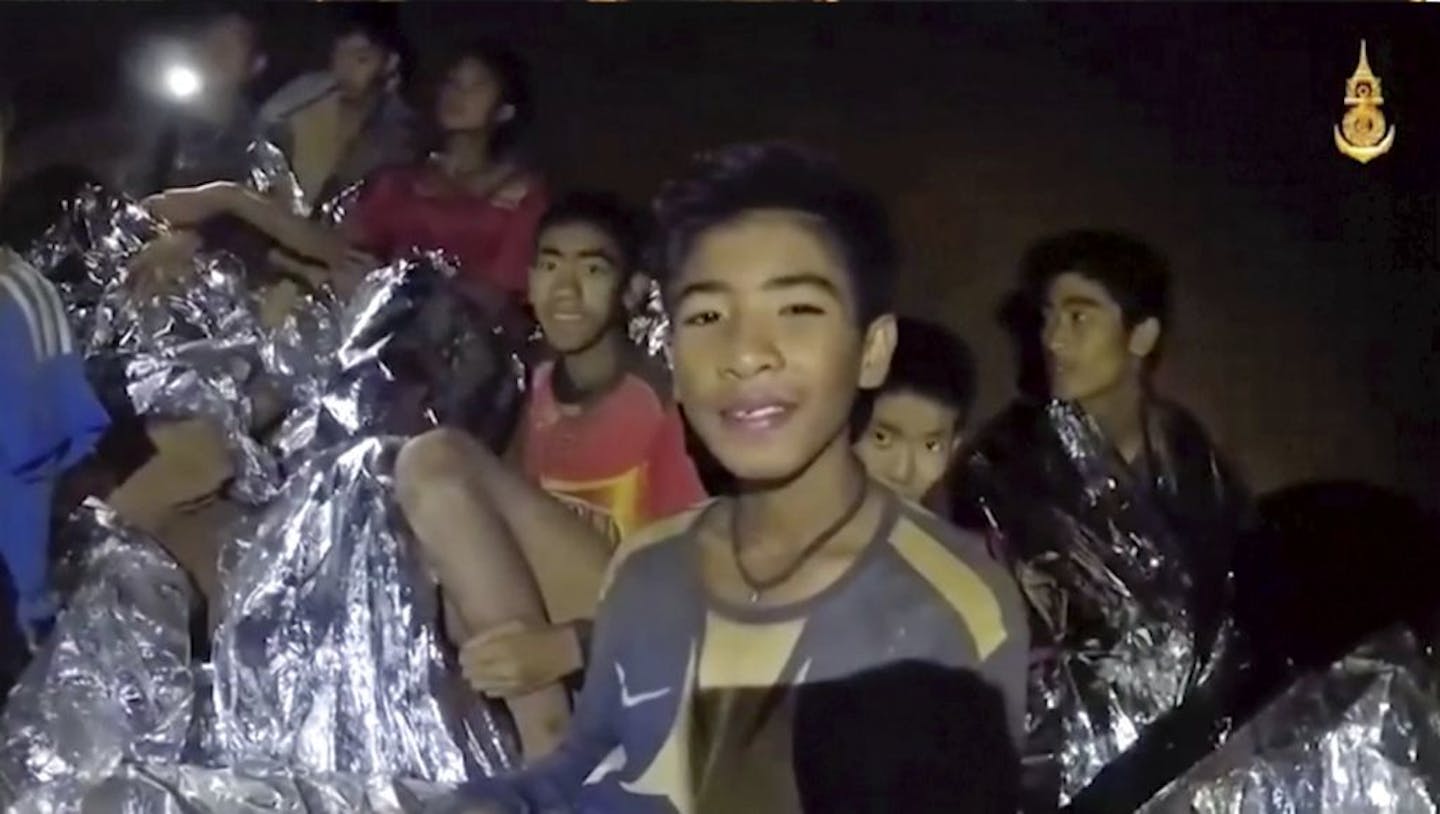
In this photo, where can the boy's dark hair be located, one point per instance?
(1135, 274)
(206, 15)
(933, 362)
(513, 76)
(907, 738)
(606, 212)
(377, 22)
(733, 180)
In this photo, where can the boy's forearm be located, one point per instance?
(295, 233)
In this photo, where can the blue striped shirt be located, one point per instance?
(50, 418)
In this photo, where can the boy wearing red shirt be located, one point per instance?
(521, 566)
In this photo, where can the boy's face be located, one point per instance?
(470, 98)
(768, 355)
(576, 284)
(1088, 350)
(910, 442)
(357, 63)
(228, 53)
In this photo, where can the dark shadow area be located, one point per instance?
(1019, 316)
(37, 201)
(1337, 561)
(908, 738)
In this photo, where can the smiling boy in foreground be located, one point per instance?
(777, 276)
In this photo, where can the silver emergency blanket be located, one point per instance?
(327, 658)
(113, 684)
(160, 789)
(327, 625)
(649, 325)
(1362, 737)
(270, 174)
(1102, 560)
(194, 350)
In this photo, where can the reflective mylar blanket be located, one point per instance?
(113, 684)
(198, 349)
(1363, 737)
(327, 656)
(167, 789)
(1126, 571)
(328, 681)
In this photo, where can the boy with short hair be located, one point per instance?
(338, 127)
(916, 418)
(1108, 496)
(602, 449)
(211, 140)
(777, 276)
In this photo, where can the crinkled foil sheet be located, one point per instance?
(649, 325)
(161, 789)
(270, 174)
(1363, 737)
(328, 657)
(196, 350)
(328, 680)
(1108, 585)
(113, 683)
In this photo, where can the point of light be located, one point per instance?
(182, 81)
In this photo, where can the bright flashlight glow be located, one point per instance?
(182, 81)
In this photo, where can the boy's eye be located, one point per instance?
(802, 309)
(880, 437)
(700, 318)
(548, 265)
(932, 446)
(595, 268)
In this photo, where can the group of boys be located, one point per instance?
(812, 638)
(817, 576)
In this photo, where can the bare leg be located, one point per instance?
(567, 555)
(482, 570)
(190, 463)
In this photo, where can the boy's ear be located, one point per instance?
(1144, 338)
(258, 65)
(875, 352)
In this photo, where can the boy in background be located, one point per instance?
(917, 417)
(601, 446)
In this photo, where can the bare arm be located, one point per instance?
(188, 207)
(297, 234)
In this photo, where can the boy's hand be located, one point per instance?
(162, 262)
(517, 659)
(192, 205)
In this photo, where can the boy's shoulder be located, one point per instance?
(958, 565)
(33, 302)
(657, 543)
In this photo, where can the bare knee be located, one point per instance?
(437, 458)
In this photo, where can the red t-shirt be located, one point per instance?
(492, 237)
(618, 460)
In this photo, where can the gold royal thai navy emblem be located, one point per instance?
(1363, 133)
